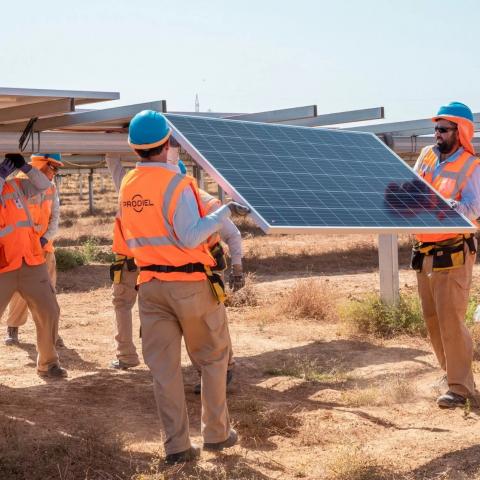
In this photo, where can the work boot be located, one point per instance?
(121, 365)
(12, 336)
(451, 400)
(54, 371)
(181, 457)
(218, 446)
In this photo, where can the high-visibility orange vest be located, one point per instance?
(449, 183)
(41, 209)
(148, 200)
(210, 204)
(19, 240)
(119, 245)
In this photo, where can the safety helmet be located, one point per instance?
(454, 109)
(148, 129)
(41, 159)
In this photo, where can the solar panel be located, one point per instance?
(300, 180)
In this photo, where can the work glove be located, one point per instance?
(43, 241)
(6, 168)
(236, 280)
(18, 161)
(452, 203)
(238, 209)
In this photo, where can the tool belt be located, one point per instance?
(218, 253)
(447, 254)
(214, 279)
(116, 267)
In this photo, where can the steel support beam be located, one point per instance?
(276, 116)
(38, 109)
(339, 117)
(80, 96)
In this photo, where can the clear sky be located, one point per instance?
(409, 56)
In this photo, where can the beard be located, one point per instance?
(445, 146)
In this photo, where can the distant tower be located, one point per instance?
(197, 103)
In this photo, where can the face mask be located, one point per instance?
(172, 156)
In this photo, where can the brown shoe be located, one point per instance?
(181, 457)
(12, 336)
(54, 371)
(451, 400)
(218, 446)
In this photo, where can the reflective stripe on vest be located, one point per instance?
(449, 183)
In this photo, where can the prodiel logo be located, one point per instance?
(137, 203)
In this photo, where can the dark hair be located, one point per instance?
(151, 151)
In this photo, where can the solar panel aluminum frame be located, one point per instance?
(286, 229)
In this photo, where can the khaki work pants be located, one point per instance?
(444, 298)
(124, 296)
(169, 310)
(34, 285)
(17, 312)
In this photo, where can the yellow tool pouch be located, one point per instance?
(218, 253)
(216, 284)
(447, 255)
(116, 268)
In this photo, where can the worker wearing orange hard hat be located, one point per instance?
(44, 208)
(444, 261)
(22, 259)
(165, 228)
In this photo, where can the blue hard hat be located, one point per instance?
(148, 129)
(182, 167)
(454, 109)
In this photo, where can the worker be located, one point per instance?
(44, 208)
(231, 236)
(22, 260)
(163, 224)
(444, 261)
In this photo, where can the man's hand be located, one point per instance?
(43, 241)
(452, 203)
(6, 168)
(236, 280)
(238, 209)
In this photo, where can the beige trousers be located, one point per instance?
(444, 298)
(34, 285)
(169, 310)
(124, 296)
(17, 312)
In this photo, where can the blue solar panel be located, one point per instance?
(304, 179)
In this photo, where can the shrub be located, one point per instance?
(309, 299)
(67, 259)
(371, 315)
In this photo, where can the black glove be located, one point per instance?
(17, 159)
(6, 168)
(238, 209)
(43, 241)
(236, 281)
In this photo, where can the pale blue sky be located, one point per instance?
(409, 56)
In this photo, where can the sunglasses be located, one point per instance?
(444, 129)
(51, 167)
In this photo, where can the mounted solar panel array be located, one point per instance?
(302, 180)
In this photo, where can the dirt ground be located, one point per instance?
(361, 408)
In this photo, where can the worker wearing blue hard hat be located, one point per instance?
(444, 261)
(45, 210)
(164, 227)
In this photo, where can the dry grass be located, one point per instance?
(310, 298)
(391, 391)
(257, 421)
(475, 331)
(85, 455)
(308, 369)
(351, 463)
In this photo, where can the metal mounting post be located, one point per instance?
(388, 266)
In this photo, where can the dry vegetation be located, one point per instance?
(329, 384)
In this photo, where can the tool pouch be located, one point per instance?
(218, 253)
(216, 284)
(131, 265)
(116, 268)
(416, 261)
(446, 258)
